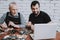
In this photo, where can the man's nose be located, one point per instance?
(15, 10)
(35, 10)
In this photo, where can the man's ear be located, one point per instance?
(9, 8)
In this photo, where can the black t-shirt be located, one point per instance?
(41, 18)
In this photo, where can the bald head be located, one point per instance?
(13, 7)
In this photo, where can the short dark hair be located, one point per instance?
(34, 3)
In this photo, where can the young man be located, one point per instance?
(37, 16)
(13, 17)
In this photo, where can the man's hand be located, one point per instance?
(29, 24)
(4, 25)
(11, 23)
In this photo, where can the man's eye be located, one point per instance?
(14, 9)
(36, 8)
(33, 8)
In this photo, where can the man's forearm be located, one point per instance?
(19, 26)
(3, 25)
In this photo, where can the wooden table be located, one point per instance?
(57, 36)
(28, 37)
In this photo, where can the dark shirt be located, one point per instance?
(13, 19)
(41, 18)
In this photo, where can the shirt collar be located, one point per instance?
(12, 15)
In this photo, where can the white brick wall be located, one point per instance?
(49, 6)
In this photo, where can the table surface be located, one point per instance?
(28, 36)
